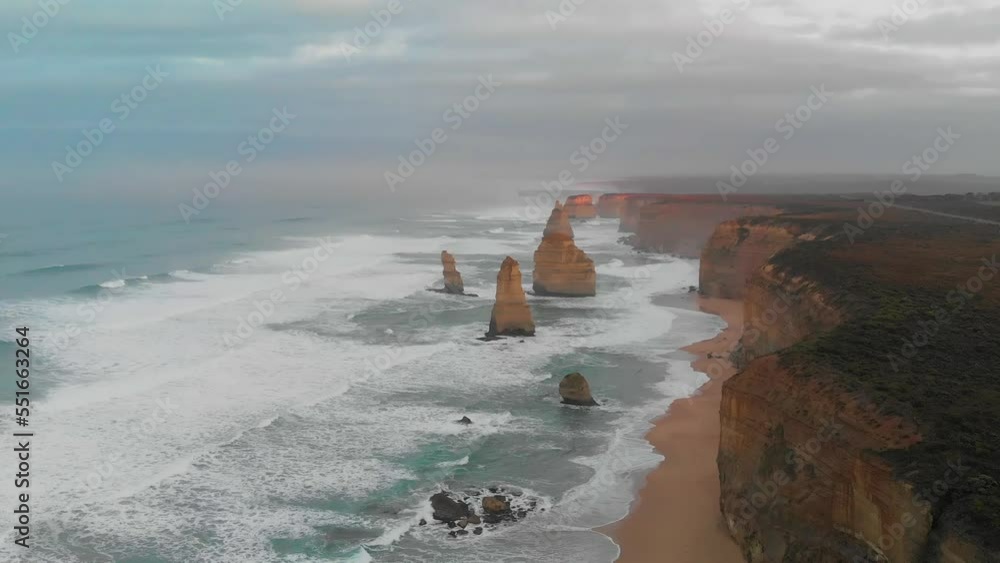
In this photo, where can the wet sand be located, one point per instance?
(676, 516)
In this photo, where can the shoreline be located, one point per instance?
(675, 515)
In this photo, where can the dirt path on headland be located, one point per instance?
(676, 518)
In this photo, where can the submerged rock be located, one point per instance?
(511, 315)
(464, 420)
(575, 390)
(561, 268)
(448, 509)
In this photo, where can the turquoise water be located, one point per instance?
(186, 413)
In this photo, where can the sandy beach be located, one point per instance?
(676, 516)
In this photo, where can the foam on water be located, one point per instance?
(171, 430)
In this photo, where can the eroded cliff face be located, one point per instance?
(804, 453)
(781, 311)
(631, 208)
(580, 207)
(738, 248)
(684, 227)
(798, 482)
(560, 267)
(611, 206)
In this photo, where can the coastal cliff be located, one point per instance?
(580, 207)
(738, 248)
(611, 206)
(683, 227)
(843, 436)
(560, 267)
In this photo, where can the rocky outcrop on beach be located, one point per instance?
(834, 446)
(452, 279)
(560, 267)
(580, 207)
(511, 315)
(575, 390)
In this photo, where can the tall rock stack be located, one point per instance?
(452, 279)
(511, 314)
(580, 207)
(560, 267)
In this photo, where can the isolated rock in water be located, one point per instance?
(575, 390)
(452, 279)
(560, 267)
(496, 505)
(464, 420)
(511, 314)
(580, 207)
(447, 509)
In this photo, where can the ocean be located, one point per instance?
(279, 385)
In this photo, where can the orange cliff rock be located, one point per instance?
(738, 248)
(799, 484)
(580, 207)
(560, 267)
(511, 314)
(827, 454)
(452, 279)
(683, 225)
(611, 206)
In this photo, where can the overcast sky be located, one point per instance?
(559, 73)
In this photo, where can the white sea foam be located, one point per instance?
(156, 431)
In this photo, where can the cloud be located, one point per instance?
(359, 112)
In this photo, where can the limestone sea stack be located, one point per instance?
(511, 314)
(452, 279)
(580, 207)
(560, 267)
